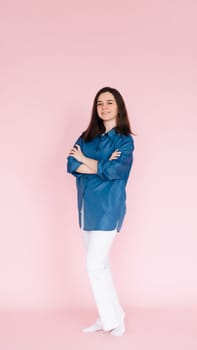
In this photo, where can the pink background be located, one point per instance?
(54, 57)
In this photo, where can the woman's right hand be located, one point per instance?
(115, 155)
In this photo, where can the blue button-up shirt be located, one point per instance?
(102, 196)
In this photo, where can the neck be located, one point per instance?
(109, 125)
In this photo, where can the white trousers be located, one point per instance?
(97, 247)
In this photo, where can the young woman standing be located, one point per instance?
(101, 161)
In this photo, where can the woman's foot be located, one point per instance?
(119, 330)
(94, 327)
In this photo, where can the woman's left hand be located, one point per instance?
(115, 155)
(77, 153)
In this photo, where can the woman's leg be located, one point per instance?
(98, 324)
(98, 245)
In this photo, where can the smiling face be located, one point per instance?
(107, 107)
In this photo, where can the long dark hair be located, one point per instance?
(96, 126)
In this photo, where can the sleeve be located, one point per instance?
(118, 168)
(72, 163)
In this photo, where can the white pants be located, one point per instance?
(97, 245)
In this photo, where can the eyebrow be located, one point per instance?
(102, 101)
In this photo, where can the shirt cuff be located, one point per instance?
(73, 164)
(100, 169)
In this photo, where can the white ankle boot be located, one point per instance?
(119, 330)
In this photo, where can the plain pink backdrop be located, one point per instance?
(54, 58)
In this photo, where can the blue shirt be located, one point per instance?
(103, 195)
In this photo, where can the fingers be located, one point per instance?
(115, 155)
(75, 149)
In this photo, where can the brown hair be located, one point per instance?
(96, 126)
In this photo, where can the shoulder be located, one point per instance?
(125, 140)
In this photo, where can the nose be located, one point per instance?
(104, 106)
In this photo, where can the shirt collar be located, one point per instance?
(111, 133)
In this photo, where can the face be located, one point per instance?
(107, 107)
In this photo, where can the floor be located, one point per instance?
(146, 329)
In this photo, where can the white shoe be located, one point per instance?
(120, 329)
(94, 327)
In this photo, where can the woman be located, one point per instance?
(101, 161)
